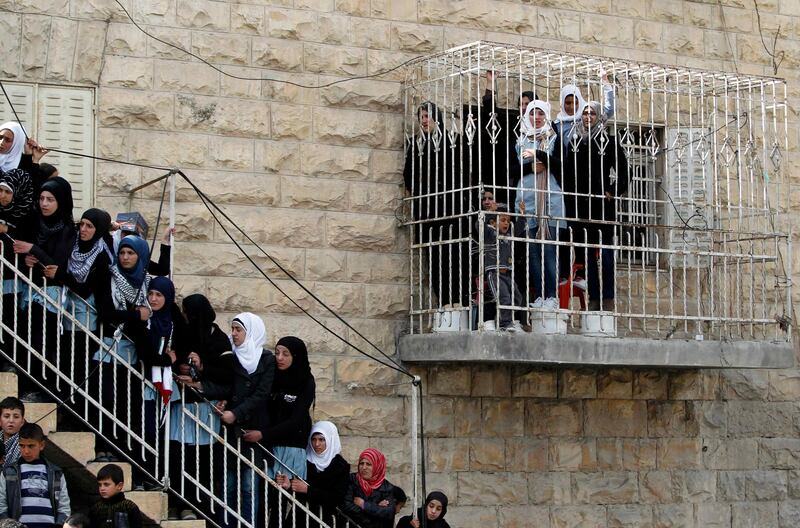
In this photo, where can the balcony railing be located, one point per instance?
(665, 211)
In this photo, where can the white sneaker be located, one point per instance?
(550, 304)
(515, 327)
(537, 303)
(580, 283)
(489, 326)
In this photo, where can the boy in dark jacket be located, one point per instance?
(113, 510)
(24, 496)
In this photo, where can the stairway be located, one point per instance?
(73, 451)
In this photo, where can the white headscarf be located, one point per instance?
(333, 446)
(571, 89)
(249, 353)
(10, 160)
(598, 126)
(528, 129)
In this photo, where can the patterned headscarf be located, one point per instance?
(378, 470)
(18, 182)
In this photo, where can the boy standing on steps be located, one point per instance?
(34, 491)
(12, 417)
(113, 510)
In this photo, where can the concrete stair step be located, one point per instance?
(44, 414)
(153, 504)
(79, 446)
(8, 384)
(200, 523)
(94, 467)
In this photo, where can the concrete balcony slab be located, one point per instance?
(577, 350)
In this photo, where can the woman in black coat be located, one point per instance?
(327, 475)
(592, 198)
(432, 514)
(369, 500)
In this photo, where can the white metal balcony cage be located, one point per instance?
(698, 246)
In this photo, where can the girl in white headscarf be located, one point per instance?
(572, 103)
(244, 405)
(326, 474)
(12, 145)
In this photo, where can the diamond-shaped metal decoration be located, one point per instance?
(421, 144)
(601, 140)
(727, 154)
(575, 141)
(452, 134)
(702, 150)
(469, 129)
(518, 127)
(678, 146)
(627, 142)
(493, 128)
(653, 147)
(776, 156)
(436, 137)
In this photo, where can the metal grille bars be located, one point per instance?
(662, 200)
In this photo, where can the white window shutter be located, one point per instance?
(23, 97)
(689, 183)
(66, 121)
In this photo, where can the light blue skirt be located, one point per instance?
(192, 433)
(125, 350)
(292, 462)
(85, 312)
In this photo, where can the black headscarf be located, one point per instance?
(53, 224)
(20, 183)
(440, 522)
(200, 316)
(101, 221)
(161, 325)
(292, 379)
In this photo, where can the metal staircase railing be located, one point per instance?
(115, 416)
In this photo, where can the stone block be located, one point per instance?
(749, 514)
(559, 24)
(467, 417)
(638, 455)
(450, 381)
(672, 515)
(79, 446)
(232, 153)
(200, 523)
(394, 10)
(491, 381)
(127, 72)
(731, 486)
(248, 19)
(337, 162)
(291, 122)
(53, 7)
(246, 87)
(520, 516)
(481, 15)
(417, 38)
(178, 38)
(349, 127)
(35, 40)
(11, 27)
(478, 488)
(204, 14)
(466, 515)
(578, 517)
(334, 29)
(44, 414)
(533, 383)
(701, 486)
(666, 418)
(680, 453)
(615, 384)
(385, 300)
(363, 94)
(353, 7)
(125, 39)
(706, 418)
(370, 33)
(648, 35)
(63, 37)
(718, 45)
(222, 47)
(186, 77)
(527, 454)
(227, 117)
(750, 418)
(386, 268)
(381, 61)
(731, 453)
(666, 11)
(313, 193)
(630, 516)
(549, 487)
(779, 453)
(290, 228)
(502, 417)
(364, 416)
(712, 515)
(316, 338)
(577, 384)
(766, 485)
(650, 385)
(573, 455)
(325, 265)
(361, 232)
(277, 156)
(609, 454)
(554, 418)
(386, 166)
(608, 487)
(135, 108)
(292, 24)
(487, 454)
(338, 60)
(684, 40)
(167, 149)
(661, 487)
(447, 454)
(694, 385)
(152, 504)
(784, 385)
(278, 54)
(367, 377)
(8, 384)
(616, 418)
(788, 514)
(606, 30)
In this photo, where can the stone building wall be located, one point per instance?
(314, 176)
